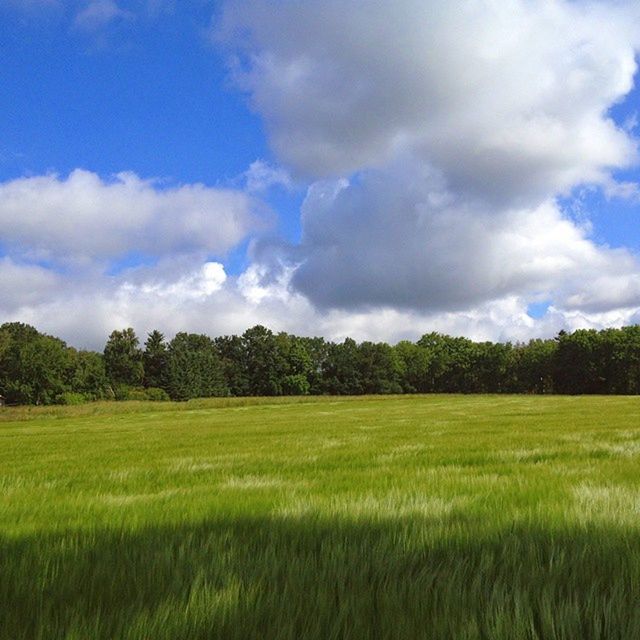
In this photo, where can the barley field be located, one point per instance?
(435, 517)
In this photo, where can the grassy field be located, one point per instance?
(476, 517)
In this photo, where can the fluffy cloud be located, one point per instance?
(202, 298)
(441, 135)
(507, 98)
(85, 217)
(397, 237)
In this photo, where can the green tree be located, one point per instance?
(155, 359)
(342, 374)
(380, 368)
(89, 376)
(451, 366)
(123, 358)
(34, 368)
(415, 364)
(194, 368)
(576, 367)
(492, 370)
(264, 361)
(231, 350)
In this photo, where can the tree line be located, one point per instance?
(36, 368)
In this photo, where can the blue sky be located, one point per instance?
(149, 94)
(144, 88)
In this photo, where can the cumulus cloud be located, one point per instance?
(83, 216)
(398, 237)
(195, 285)
(178, 296)
(507, 98)
(439, 136)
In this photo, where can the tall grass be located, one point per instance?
(414, 517)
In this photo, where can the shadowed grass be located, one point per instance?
(313, 578)
(438, 517)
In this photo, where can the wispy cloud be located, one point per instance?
(98, 14)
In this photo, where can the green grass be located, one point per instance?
(477, 517)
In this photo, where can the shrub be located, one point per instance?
(70, 398)
(156, 394)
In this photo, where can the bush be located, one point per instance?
(121, 392)
(156, 394)
(135, 394)
(70, 398)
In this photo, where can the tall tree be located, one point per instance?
(265, 365)
(231, 351)
(89, 375)
(155, 359)
(123, 358)
(533, 366)
(34, 368)
(414, 366)
(342, 373)
(380, 368)
(194, 368)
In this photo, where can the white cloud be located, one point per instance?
(25, 284)
(507, 98)
(443, 134)
(199, 297)
(83, 217)
(397, 237)
(197, 285)
(261, 176)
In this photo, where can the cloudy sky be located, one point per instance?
(337, 167)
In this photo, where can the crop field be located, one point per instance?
(435, 517)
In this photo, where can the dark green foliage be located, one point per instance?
(380, 368)
(194, 369)
(34, 368)
(414, 362)
(40, 369)
(123, 359)
(590, 361)
(341, 374)
(141, 394)
(317, 350)
(231, 350)
(155, 359)
(295, 385)
(264, 362)
(533, 367)
(155, 394)
(89, 375)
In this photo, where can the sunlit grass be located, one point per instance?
(399, 517)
